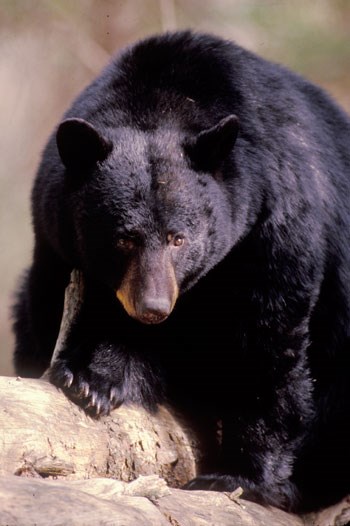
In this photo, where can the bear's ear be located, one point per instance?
(80, 145)
(208, 150)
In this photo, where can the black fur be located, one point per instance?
(155, 194)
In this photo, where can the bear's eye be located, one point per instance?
(175, 239)
(126, 244)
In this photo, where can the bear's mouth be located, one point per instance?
(152, 318)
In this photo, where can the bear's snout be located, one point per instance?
(149, 290)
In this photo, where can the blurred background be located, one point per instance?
(50, 49)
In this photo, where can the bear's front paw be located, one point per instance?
(93, 391)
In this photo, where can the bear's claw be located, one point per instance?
(93, 393)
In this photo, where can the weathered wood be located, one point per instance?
(43, 433)
(45, 436)
(146, 501)
(28, 502)
(102, 501)
(73, 300)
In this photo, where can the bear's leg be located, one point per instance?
(286, 497)
(37, 313)
(263, 436)
(261, 487)
(101, 367)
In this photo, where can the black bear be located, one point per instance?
(204, 194)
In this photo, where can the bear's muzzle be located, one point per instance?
(148, 291)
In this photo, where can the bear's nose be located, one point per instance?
(154, 310)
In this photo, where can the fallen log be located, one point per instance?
(109, 502)
(65, 462)
(54, 448)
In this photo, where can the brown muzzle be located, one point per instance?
(148, 291)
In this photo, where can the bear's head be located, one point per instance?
(150, 211)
